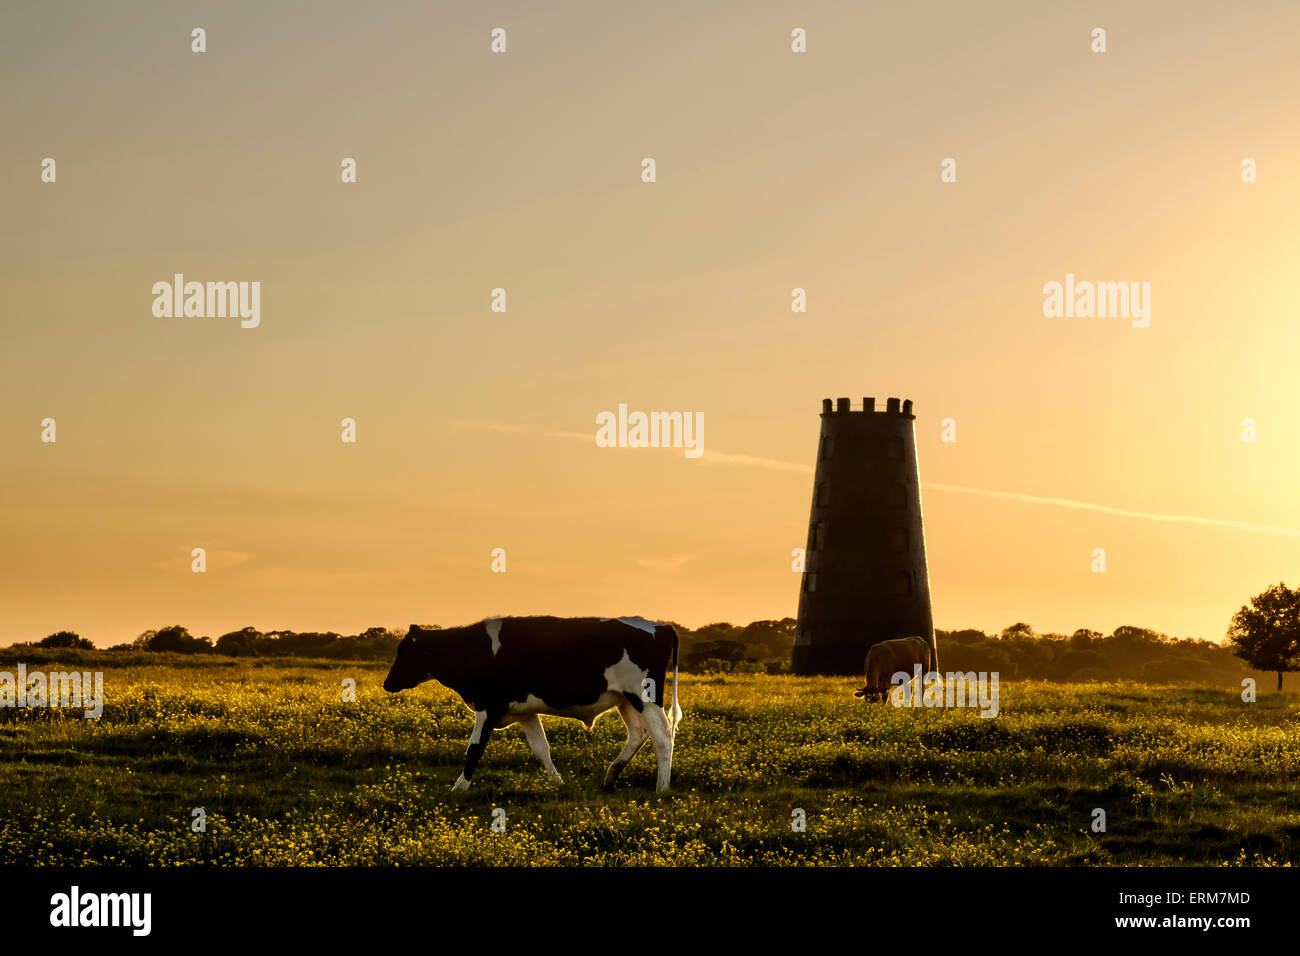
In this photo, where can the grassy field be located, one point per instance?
(288, 774)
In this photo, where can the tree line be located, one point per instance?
(1264, 636)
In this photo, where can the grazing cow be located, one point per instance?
(510, 670)
(888, 658)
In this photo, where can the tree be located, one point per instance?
(967, 635)
(1018, 632)
(239, 643)
(769, 639)
(1130, 632)
(1266, 632)
(66, 639)
(175, 638)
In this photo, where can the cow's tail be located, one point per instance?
(675, 714)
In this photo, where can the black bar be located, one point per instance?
(333, 905)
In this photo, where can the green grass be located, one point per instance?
(288, 774)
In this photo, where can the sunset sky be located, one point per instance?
(522, 170)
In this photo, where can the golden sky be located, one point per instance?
(523, 171)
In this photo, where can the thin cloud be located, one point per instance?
(572, 436)
(1110, 510)
(493, 426)
(664, 564)
(773, 464)
(709, 457)
(722, 458)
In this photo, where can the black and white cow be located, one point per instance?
(510, 670)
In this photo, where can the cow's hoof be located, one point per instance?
(461, 785)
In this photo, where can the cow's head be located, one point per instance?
(416, 660)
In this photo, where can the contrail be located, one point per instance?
(1110, 510)
(723, 458)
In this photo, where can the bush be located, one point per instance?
(66, 639)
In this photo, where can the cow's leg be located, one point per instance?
(484, 721)
(636, 737)
(661, 734)
(536, 735)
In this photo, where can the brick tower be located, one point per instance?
(865, 578)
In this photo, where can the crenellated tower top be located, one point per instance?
(844, 406)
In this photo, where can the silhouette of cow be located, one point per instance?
(511, 670)
(888, 658)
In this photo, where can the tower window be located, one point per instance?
(898, 540)
(810, 581)
(823, 495)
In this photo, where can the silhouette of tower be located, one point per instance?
(865, 578)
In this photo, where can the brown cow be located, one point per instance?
(888, 658)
